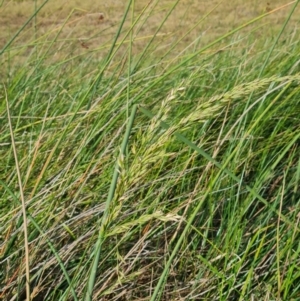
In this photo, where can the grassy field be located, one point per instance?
(149, 150)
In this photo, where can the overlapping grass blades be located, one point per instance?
(194, 197)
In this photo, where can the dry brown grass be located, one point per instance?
(90, 25)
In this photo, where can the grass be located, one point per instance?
(158, 166)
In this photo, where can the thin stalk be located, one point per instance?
(155, 34)
(278, 259)
(129, 66)
(97, 81)
(22, 199)
(21, 29)
(104, 220)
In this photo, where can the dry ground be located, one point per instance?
(87, 26)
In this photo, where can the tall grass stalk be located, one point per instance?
(104, 220)
(22, 199)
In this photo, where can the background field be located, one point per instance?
(149, 151)
(89, 26)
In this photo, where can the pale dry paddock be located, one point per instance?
(87, 26)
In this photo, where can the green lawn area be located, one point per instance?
(149, 150)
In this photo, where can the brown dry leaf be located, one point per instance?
(84, 45)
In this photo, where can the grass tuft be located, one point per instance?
(156, 164)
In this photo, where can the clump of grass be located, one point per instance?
(148, 178)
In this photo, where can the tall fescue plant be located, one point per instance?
(143, 177)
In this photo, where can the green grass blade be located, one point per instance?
(104, 220)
